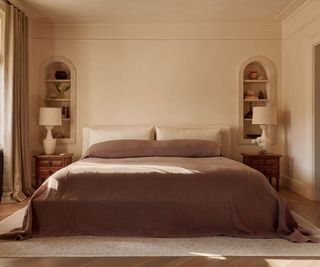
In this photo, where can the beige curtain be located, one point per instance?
(17, 181)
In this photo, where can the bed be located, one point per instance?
(179, 186)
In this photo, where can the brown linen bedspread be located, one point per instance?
(159, 197)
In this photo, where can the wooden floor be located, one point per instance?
(306, 208)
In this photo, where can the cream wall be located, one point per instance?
(300, 31)
(153, 74)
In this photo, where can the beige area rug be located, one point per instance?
(92, 246)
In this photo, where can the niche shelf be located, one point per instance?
(257, 87)
(50, 97)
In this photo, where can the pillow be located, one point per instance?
(151, 148)
(168, 133)
(97, 135)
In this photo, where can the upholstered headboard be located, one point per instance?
(95, 134)
(98, 133)
(224, 129)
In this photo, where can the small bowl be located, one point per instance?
(60, 75)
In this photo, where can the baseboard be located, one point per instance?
(297, 186)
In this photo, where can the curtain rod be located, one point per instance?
(8, 2)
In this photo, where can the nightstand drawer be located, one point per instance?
(264, 162)
(46, 165)
(268, 164)
(49, 163)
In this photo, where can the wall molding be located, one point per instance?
(292, 24)
(292, 7)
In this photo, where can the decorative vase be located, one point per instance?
(253, 74)
(250, 94)
(261, 95)
(61, 94)
(60, 75)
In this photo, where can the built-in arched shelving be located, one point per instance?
(51, 97)
(257, 87)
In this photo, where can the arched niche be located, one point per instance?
(257, 87)
(50, 96)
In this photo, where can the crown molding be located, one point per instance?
(303, 16)
(291, 8)
(37, 17)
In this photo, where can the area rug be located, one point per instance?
(92, 246)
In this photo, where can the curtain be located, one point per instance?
(17, 181)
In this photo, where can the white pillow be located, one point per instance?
(97, 135)
(167, 133)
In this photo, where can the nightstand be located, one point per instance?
(49, 164)
(268, 164)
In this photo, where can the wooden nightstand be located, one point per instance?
(268, 164)
(49, 164)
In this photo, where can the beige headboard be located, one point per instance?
(225, 131)
(147, 132)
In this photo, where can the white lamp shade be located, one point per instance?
(264, 115)
(50, 116)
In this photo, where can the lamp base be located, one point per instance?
(49, 143)
(266, 142)
(49, 146)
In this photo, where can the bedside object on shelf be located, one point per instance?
(261, 95)
(264, 116)
(253, 136)
(67, 113)
(248, 115)
(63, 114)
(49, 164)
(61, 88)
(49, 117)
(251, 94)
(59, 135)
(60, 75)
(268, 164)
(253, 74)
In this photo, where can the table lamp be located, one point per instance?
(49, 117)
(265, 116)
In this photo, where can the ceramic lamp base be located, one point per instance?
(49, 146)
(266, 142)
(49, 143)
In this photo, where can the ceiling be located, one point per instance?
(157, 11)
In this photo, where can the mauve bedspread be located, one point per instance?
(159, 197)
